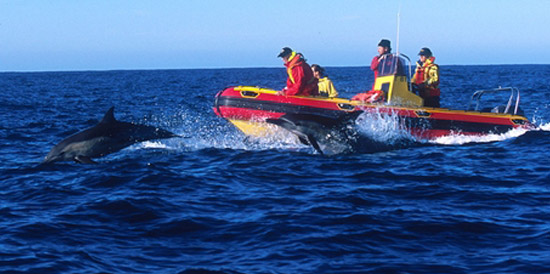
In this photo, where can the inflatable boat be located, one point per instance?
(256, 111)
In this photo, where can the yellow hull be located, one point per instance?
(254, 128)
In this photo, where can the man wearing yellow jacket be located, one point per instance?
(426, 78)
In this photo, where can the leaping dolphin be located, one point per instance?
(319, 131)
(106, 137)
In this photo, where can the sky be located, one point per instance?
(66, 35)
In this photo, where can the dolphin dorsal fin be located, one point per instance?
(109, 116)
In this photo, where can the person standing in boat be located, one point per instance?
(386, 63)
(384, 47)
(326, 87)
(426, 78)
(300, 79)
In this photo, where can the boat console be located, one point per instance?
(394, 74)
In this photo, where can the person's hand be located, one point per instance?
(281, 92)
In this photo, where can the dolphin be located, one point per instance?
(305, 133)
(315, 130)
(108, 136)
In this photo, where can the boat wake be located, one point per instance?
(545, 127)
(459, 139)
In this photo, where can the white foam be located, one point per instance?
(153, 144)
(229, 137)
(545, 127)
(460, 139)
(385, 128)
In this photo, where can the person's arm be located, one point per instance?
(433, 76)
(331, 90)
(413, 79)
(374, 63)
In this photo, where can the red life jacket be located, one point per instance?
(371, 96)
(300, 77)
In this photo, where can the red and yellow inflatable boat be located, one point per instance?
(255, 110)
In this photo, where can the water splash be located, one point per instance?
(387, 128)
(153, 145)
(371, 132)
(374, 132)
(218, 133)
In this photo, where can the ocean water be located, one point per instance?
(215, 202)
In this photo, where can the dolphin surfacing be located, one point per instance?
(108, 136)
(320, 131)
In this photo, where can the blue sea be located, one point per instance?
(216, 202)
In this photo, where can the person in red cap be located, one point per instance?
(300, 76)
(426, 78)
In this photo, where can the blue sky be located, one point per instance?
(45, 35)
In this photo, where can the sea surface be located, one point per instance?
(216, 202)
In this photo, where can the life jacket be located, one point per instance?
(371, 96)
(427, 74)
(326, 88)
(300, 77)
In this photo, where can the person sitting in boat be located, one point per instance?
(385, 63)
(326, 87)
(426, 78)
(300, 76)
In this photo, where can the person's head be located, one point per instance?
(318, 71)
(384, 46)
(425, 53)
(285, 54)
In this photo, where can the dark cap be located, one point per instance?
(384, 43)
(425, 52)
(284, 52)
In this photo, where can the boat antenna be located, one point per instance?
(397, 44)
(398, 23)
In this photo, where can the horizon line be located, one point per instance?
(214, 68)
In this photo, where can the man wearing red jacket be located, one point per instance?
(384, 47)
(300, 76)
